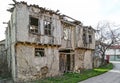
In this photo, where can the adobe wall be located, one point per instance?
(88, 60)
(32, 67)
(83, 59)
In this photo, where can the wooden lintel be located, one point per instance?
(34, 43)
(67, 53)
(84, 48)
(68, 23)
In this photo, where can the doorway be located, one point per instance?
(66, 62)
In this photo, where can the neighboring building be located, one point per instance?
(2, 53)
(113, 53)
(2, 47)
(43, 43)
(3, 59)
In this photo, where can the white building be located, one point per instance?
(113, 53)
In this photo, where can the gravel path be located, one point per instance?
(113, 76)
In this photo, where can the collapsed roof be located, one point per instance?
(45, 10)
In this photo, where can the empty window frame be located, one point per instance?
(84, 38)
(90, 39)
(118, 56)
(33, 25)
(39, 52)
(47, 28)
(84, 30)
(65, 33)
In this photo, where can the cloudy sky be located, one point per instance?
(90, 12)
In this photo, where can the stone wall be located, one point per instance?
(83, 59)
(32, 67)
(88, 59)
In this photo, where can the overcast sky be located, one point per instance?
(90, 12)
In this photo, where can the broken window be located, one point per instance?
(84, 30)
(90, 39)
(47, 25)
(47, 28)
(33, 25)
(65, 34)
(84, 38)
(39, 52)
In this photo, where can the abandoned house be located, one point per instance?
(43, 43)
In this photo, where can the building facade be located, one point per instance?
(113, 53)
(43, 43)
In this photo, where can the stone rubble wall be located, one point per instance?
(31, 67)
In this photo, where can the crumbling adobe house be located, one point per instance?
(43, 43)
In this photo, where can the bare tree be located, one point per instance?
(106, 36)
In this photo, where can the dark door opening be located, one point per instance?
(62, 61)
(66, 62)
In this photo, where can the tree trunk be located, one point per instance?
(103, 59)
